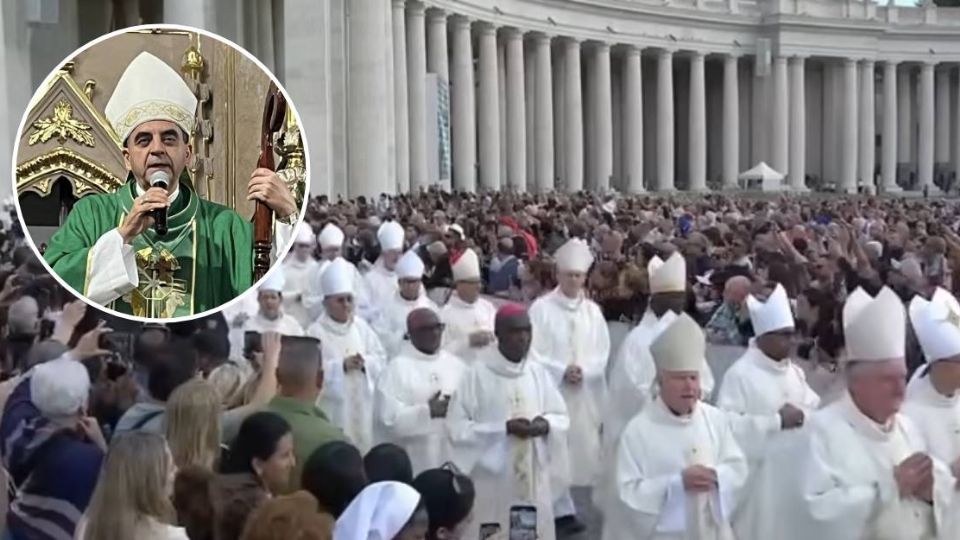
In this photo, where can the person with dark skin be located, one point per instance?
(514, 334)
(414, 392)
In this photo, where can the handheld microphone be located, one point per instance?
(162, 180)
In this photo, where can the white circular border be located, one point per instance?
(43, 86)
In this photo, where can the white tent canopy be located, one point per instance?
(763, 177)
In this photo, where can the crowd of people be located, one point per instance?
(454, 366)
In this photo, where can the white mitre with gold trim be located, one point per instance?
(669, 275)
(150, 89)
(679, 344)
(936, 323)
(874, 328)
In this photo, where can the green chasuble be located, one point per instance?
(204, 260)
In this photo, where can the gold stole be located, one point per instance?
(522, 453)
(355, 386)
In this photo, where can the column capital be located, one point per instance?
(433, 14)
(486, 28)
(416, 8)
(630, 49)
(665, 52)
(540, 37)
(460, 21)
(849, 61)
(571, 41)
(798, 57)
(697, 54)
(868, 62)
(890, 62)
(511, 32)
(597, 44)
(779, 59)
(399, 3)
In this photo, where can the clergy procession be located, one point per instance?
(449, 366)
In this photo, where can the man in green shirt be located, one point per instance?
(300, 375)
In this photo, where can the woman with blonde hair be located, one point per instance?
(132, 498)
(193, 424)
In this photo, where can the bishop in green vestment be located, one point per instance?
(108, 249)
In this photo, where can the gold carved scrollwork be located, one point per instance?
(293, 165)
(38, 174)
(62, 124)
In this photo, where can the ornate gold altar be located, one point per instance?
(68, 150)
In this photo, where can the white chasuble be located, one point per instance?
(348, 397)
(508, 471)
(391, 323)
(463, 320)
(568, 332)
(754, 390)
(656, 447)
(296, 288)
(847, 485)
(404, 390)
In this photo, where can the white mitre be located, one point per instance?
(936, 323)
(275, 281)
(390, 235)
(874, 328)
(574, 256)
(773, 314)
(337, 278)
(410, 266)
(667, 276)
(305, 235)
(679, 344)
(150, 89)
(467, 267)
(330, 236)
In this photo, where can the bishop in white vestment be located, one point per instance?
(680, 471)
(767, 395)
(270, 316)
(300, 268)
(352, 357)
(933, 395)
(865, 471)
(570, 337)
(330, 240)
(469, 318)
(391, 322)
(381, 280)
(414, 393)
(633, 373)
(509, 424)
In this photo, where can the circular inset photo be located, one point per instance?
(160, 172)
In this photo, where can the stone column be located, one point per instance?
(848, 134)
(417, 88)
(544, 114)
(400, 98)
(956, 142)
(489, 110)
(867, 131)
(573, 115)
(633, 120)
(367, 145)
(603, 125)
(665, 164)
(798, 124)
(906, 125)
(516, 113)
(925, 146)
(464, 108)
(437, 61)
(942, 122)
(780, 154)
(888, 167)
(698, 124)
(731, 121)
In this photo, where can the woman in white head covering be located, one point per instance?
(384, 511)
